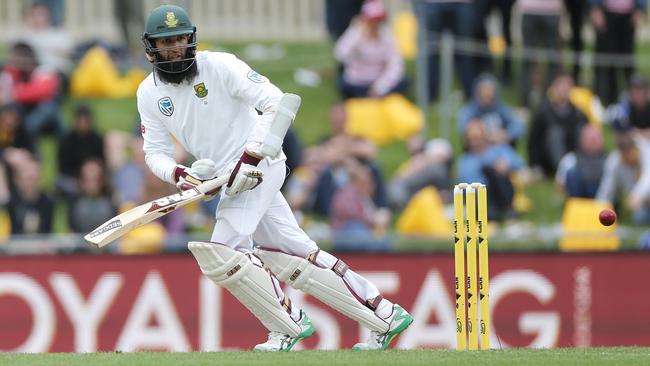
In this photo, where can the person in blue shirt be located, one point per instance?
(502, 126)
(491, 164)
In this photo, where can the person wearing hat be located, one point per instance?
(372, 64)
(233, 121)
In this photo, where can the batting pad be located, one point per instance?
(250, 284)
(326, 284)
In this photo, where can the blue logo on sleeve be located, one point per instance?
(166, 106)
(255, 77)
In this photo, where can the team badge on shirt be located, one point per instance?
(166, 106)
(201, 90)
(255, 77)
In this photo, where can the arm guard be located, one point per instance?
(269, 144)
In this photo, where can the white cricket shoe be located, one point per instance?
(398, 321)
(279, 342)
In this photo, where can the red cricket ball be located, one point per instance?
(607, 217)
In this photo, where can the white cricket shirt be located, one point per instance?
(213, 116)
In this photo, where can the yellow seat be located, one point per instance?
(425, 215)
(581, 229)
(383, 120)
(365, 120)
(97, 76)
(5, 226)
(404, 118)
(147, 239)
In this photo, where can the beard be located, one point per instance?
(176, 72)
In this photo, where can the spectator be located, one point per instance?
(502, 126)
(301, 185)
(540, 28)
(457, 17)
(429, 165)
(80, 144)
(639, 104)
(92, 206)
(334, 151)
(483, 8)
(627, 171)
(130, 18)
(12, 130)
(33, 89)
(118, 145)
(577, 10)
(134, 184)
(372, 64)
(14, 142)
(555, 129)
(128, 178)
(357, 223)
(579, 173)
(633, 112)
(293, 149)
(56, 9)
(492, 165)
(174, 222)
(30, 209)
(53, 46)
(615, 23)
(339, 14)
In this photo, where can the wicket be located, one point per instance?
(470, 225)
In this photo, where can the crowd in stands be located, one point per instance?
(339, 179)
(558, 121)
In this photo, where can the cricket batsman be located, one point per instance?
(209, 102)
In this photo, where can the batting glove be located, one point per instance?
(245, 175)
(188, 178)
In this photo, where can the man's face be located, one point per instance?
(22, 61)
(475, 135)
(90, 178)
(562, 89)
(486, 94)
(591, 140)
(9, 120)
(174, 58)
(639, 96)
(40, 17)
(174, 47)
(82, 124)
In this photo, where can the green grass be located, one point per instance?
(564, 356)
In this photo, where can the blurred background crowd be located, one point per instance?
(544, 101)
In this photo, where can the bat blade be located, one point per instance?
(145, 213)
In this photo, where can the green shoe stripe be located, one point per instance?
(408, 319)
(304, 334)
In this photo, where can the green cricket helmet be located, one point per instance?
(168, 21)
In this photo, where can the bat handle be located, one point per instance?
(213, 186)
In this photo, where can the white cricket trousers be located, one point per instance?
(264, 216)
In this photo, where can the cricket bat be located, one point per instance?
(145, 213)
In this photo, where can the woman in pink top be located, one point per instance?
(372, 65)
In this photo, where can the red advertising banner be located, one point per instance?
(87, 303)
